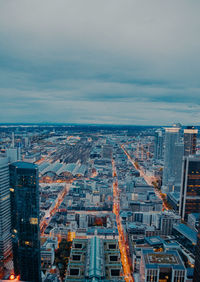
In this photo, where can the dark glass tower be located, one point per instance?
(196, 277)
(190, 187)
(190, 140)
(24, 189)
(158, 145)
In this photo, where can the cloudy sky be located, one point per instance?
(100, 61)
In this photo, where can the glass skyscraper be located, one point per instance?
(172, 138)
(190, 140)
(5, 219)
(190, 187)
(24, 189)
(158, 145)
(196, 277)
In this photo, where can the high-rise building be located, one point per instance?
(11, 154)
(196, 277)
(24, 189)
(5, 218)
(178, 160)
(26, 142)
(158, 145)
(172, 137)
(190, 140)
(19, 151)
(13, 140)
(190, 186)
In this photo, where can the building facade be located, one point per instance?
(167, 220)
(162, 266)
(172, 138)
(158, 145)
(190, 140)
(24, 189)
(196, 277)
(190, 187)
(5, 217)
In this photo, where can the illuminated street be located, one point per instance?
(122, 241)
(100, 141)
(51, 212)
(149, 179)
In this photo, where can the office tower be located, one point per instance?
(172, 137)
(19, 151)
(5, 218)
(14, 154)
(11, 154)
(190, 140)
(158, 145)
(24, 189)
(190, 186)
(178, 160)
(13, 140)
(196, 277)
(26, 142)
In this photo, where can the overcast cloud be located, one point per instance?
(100, 61)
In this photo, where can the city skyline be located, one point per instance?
(104, 203)
(99, 63)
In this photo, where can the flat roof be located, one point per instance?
(154, 240)
(24, 165)
(162, 259)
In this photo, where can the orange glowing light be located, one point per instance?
(12, 277)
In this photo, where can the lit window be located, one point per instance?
(33, 220)
(5, 198)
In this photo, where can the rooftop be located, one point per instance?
(162, 259)
(196, 215)
(155, 240)
(175, 195)
(189, 233)
(24, 165)
(95, 266)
